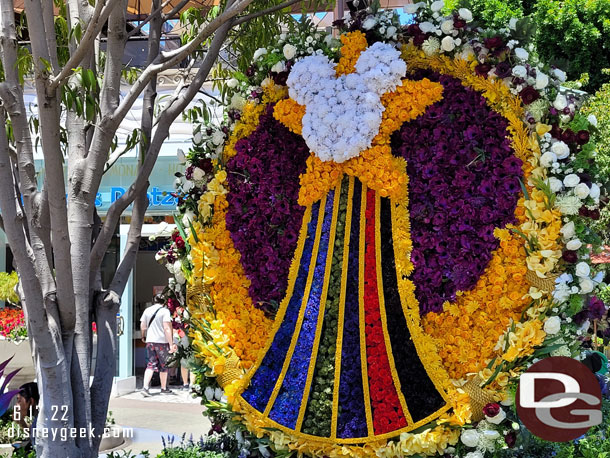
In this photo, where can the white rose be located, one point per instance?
(181, 156)
(592, 120)
(560, 75)
(573, 244)
(233, 83)
(198, 174)
(412, 8)
(498, 418)
(568, 231)
(179, 277)
(447, 44)
(427, 27)
(512, 24)
(279, 67)
(218, 137)
(465, 14)
(542, 80)
(521, 54)
(188, 218)
(581, 190)
(555, 184)
(571, 180)
(586, 285)
(560, 102)
(218, 393)
(552, 325)
(561, 149)
(447, 27)
(595, 191)
(369, 23)
(289, 51)
(437, 5)
(470, 437)
(582, 269)
(467, 52)
(520, 71)
(547, 159)
(391, 31)
(259, 53)
(237, 102)
(475, 454)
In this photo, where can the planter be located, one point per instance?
(22, 358)
(6, 450)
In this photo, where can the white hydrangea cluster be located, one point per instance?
(343, 114)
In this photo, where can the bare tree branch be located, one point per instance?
(100, 16)
(168, 60)
(148, 19)
(170, 14)
(168, 115)
(273, 9)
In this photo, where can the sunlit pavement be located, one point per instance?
(160, 415)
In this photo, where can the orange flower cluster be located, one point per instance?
(467, 330)
(290, 113)
(245, 326)
(353, 44)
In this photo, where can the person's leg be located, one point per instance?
(185, 375)
(163, 377)
(148, 373)
(163, 355)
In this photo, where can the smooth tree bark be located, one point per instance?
(54, 232)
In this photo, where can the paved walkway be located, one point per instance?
(161, 415)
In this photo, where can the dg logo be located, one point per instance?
(559, 399)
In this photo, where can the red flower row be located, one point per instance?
(387, 412)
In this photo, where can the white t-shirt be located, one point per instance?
(154, 332)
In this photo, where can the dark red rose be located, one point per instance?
(594, 214)
(568, 136)
(492, 409)
(529, 95)
(179, 243)
(250, 71)
(280, 78)
(174, 235)
(482, 69)
(556, 132)
(206, 165)
(582, 137)
(503, 69)
(570, 256)
(493, 43)
(188, 173)
(459, 23)
(418, 40)
(511, 439)
(413, 30)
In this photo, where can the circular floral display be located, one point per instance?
(397, 226)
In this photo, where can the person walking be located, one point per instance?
(156, 327)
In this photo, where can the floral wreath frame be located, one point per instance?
(222, 341)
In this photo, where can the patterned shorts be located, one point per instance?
(156, 356)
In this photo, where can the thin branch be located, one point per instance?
(99, 18)
(147, 20)
(207, 94)
(173, 58)
(273, 9)
(175, 9)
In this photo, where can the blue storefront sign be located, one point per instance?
(122, 174)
